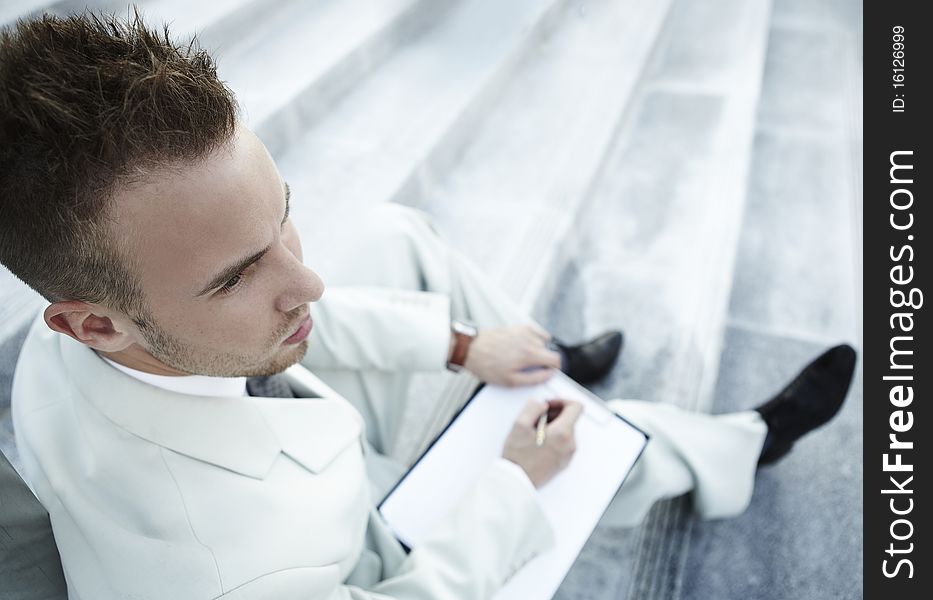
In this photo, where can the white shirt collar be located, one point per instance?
(194, 385)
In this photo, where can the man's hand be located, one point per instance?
(499, 356)
(541, 463)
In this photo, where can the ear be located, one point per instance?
(88, 324)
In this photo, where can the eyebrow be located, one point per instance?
(230, 272)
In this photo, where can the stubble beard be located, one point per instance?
(182, 357)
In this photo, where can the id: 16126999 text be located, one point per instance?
(897, 64)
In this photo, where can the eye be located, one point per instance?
(233, 284)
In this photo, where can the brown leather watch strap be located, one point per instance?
(463, 334)
(458, 357)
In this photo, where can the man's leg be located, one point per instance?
(714, 456)
(396, 246)
(402, 250)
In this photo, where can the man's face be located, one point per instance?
(186, 229)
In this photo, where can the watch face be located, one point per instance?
(464, 328)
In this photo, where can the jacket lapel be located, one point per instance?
(241, 434)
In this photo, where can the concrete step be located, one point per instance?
(194, 16)
(420, 104)
(11, 10)
(666, 215)
(18, 303)
(292, 66)
(287, 60)
(515, 193)
(797, 291)
(658, 249)
(523, 177)
(9, 351)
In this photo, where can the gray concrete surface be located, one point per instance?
(710, 211)
(796, 290)
(801, 536)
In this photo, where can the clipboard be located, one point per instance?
(608, 446)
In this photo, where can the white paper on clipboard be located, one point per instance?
(607, 448)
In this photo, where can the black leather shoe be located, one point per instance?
(809, 401)
(592, 360)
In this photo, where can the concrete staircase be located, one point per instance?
(592, 157)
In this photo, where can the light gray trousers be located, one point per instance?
(714, 456)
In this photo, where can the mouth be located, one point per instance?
(304, 328)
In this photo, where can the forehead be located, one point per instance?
(183, 224)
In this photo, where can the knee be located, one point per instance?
(394, 232)
(637, 412)
(392, 245)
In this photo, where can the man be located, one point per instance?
(153, 423)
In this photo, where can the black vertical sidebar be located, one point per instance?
(897, 365)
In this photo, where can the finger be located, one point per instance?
(545, 358)
(553, 409)
(530, 377)
(539, 332)
(567, 418)
(531, 412)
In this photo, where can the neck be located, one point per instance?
(135, 357)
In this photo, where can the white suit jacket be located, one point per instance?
(156, 494)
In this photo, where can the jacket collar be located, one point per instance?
(241, 433)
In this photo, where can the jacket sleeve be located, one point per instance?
(376, 328)
(494, 530)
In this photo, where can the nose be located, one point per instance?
(301, 285)
(319, 290)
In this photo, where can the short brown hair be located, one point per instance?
(87, 103)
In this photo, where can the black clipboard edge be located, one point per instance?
(460, 411)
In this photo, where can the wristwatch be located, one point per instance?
(463, 334)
